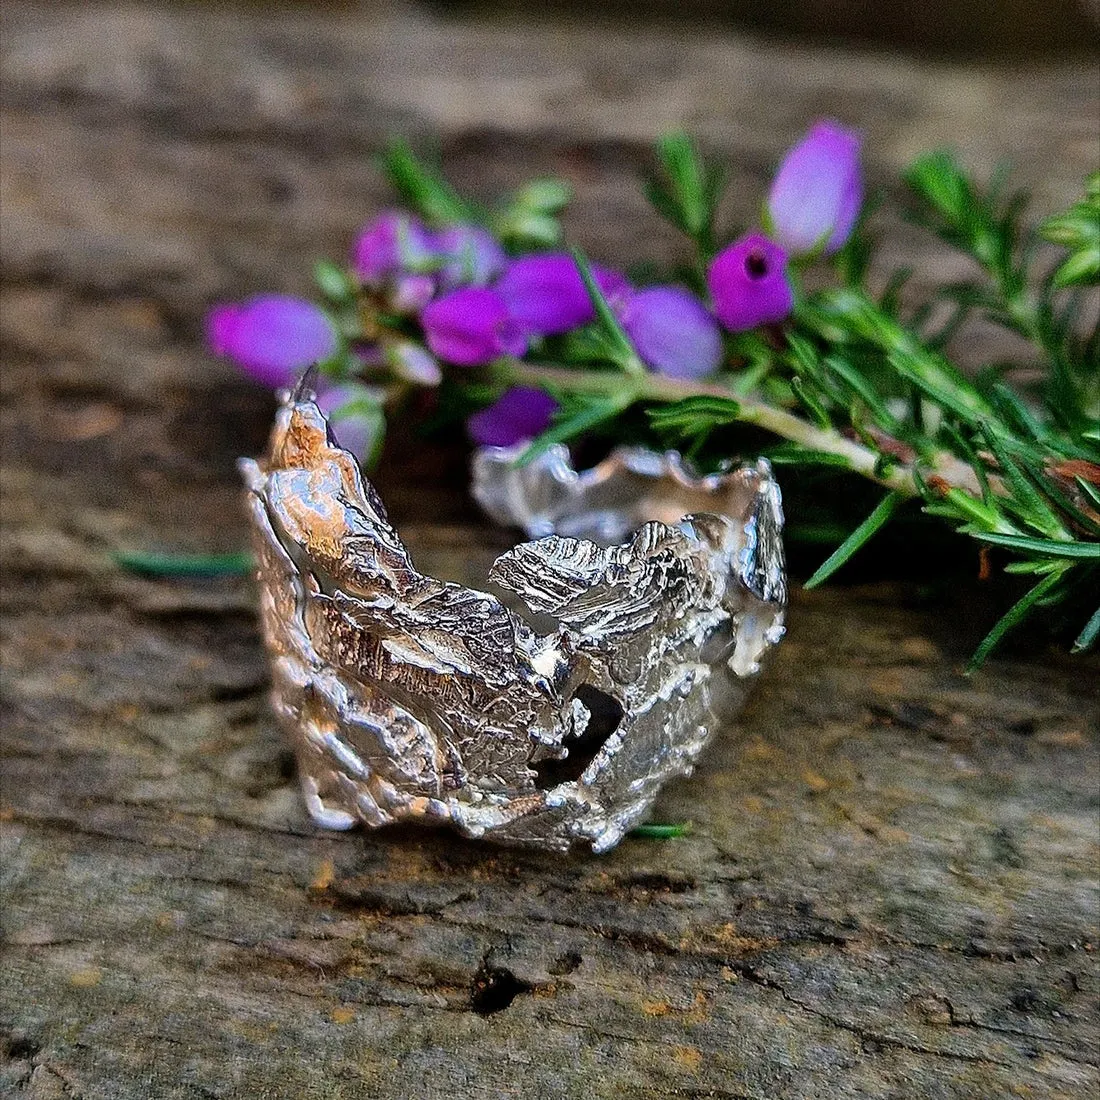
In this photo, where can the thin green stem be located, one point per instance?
(856, 457)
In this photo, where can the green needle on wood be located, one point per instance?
(234, 564)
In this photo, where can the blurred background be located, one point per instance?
(948, 28)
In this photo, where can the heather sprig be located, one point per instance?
(536, 344)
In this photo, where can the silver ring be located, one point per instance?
(548, 714)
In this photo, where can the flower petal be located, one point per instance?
(411, 293)
(474, 256)
(546, 295)
(520, 413)
(393, 242)
(673, 332)
(273, 337)
(748, 283)
(471, 326)
(220, 323)
(818, 190)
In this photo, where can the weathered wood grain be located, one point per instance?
(890, 889)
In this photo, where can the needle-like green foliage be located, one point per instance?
(858, 378)
(1015, 468)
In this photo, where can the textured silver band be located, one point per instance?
(549, 714)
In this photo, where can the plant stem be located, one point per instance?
(899, 477)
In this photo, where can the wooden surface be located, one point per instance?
(890, 889)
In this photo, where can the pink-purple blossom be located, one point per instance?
(471, 326)
(672, 331)
(471, 256)
(520, 413)
(816, 195)
(545, 294)
(393, 243)
(411, 293)
(749, 285)
(273, 337)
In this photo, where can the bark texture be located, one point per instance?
(890, 889)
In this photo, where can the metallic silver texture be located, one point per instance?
(549, 714)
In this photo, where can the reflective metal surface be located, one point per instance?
(549, 714)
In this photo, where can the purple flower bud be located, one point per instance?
(471, 326)
(521, 413)
(545, 293)
(474, 257)
(748, 283)
(368, 354)
(355, 430)
(394, 242)
(672, 332)
(411, 293)
(818, 190)
(273, 338)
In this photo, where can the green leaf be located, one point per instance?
(1078, 230)
(692, 413)
(794, 454)
(1091, 492)
(1052, 548)
(1036, 566)
(811, 403)
(184, 565)
(1080, 269)
(938, 179)
(689, 191)
(1087, 638)
(1013, 409)
(571, 423)
(527, 229)
(544, 196)
(864, 389)
(654, 831)
(1012, 618)
(957, 504)
(423, 188)
(617, 340)
(858, 316)
(692, 420)
(335, 283)
(686, 178)
(589, 344)
(1034, 510)
(857, 539)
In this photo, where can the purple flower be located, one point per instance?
(355, 429)
(273, 337)
(411, 293)
(473, 256)
(748, 283)
(672, 332)
(546, 295)
(817, 192)
(470, 327)
(395, 242)
(521, 413)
